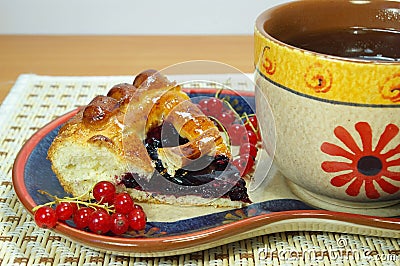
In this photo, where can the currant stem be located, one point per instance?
(226, 102)
(46, 204)
(245, 115)
(231, 108)
(77, 200)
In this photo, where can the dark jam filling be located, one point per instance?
(217, 168)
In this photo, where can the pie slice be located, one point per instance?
(152, 141)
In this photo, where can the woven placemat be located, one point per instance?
(36, 100)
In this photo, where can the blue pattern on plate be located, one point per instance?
(38, 173)
(39, 176)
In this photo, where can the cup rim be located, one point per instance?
(262, 17)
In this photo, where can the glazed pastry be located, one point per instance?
(152, 140)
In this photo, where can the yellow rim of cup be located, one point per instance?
(327, 78)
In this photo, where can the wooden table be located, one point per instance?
(113, 55)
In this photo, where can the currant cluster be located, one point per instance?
(106, 211)
(242, 130)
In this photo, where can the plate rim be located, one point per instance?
(173, 243)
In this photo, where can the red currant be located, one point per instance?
(244, 164)
(137, 220)
(254, 123)
(45, 217)
(203, 105)
(215, 106)
(137, 207)
(249, 162)
(226, 118)
(104, 192)
(119, 223)
(236, 133)
(248, 148)
(100, 222)
(240, 164)
(64, 211)
(250, 137)
(82, 217)
(123, 203)
(75, 207)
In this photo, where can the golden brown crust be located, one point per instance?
(183, 155)
(191, 123)
(111, 129)
(143, 76)
(122, 92)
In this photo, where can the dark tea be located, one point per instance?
(357, 43)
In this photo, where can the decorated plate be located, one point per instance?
(172, 230)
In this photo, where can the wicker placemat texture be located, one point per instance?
(36, 100)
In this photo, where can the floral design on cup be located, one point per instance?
(368, 165)
(268, 65)
(318, 78)
(391, 88)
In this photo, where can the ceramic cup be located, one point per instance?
(331, 73)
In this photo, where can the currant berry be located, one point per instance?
(215, 106)
(249, 162)
(254, 123)
(203, 105)
(64, 211)
(226, 118)
(240, 165)
(250, 137)
(137, 220)
(104, 192)
(138, 207)
(236, 133)
(82, 217)
(75, 207)
(100, 222)
(123, 203)
(244, 164)
(45, 217)
(119, 223)
(248, 148)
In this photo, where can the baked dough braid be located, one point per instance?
(169, 103)
(104, 140)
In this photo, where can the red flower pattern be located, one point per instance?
(268, 64)
(368, 166)
(391, 88)
(318, 78)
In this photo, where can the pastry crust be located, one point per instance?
(105, 139)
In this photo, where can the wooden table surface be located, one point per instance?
(113, 55)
